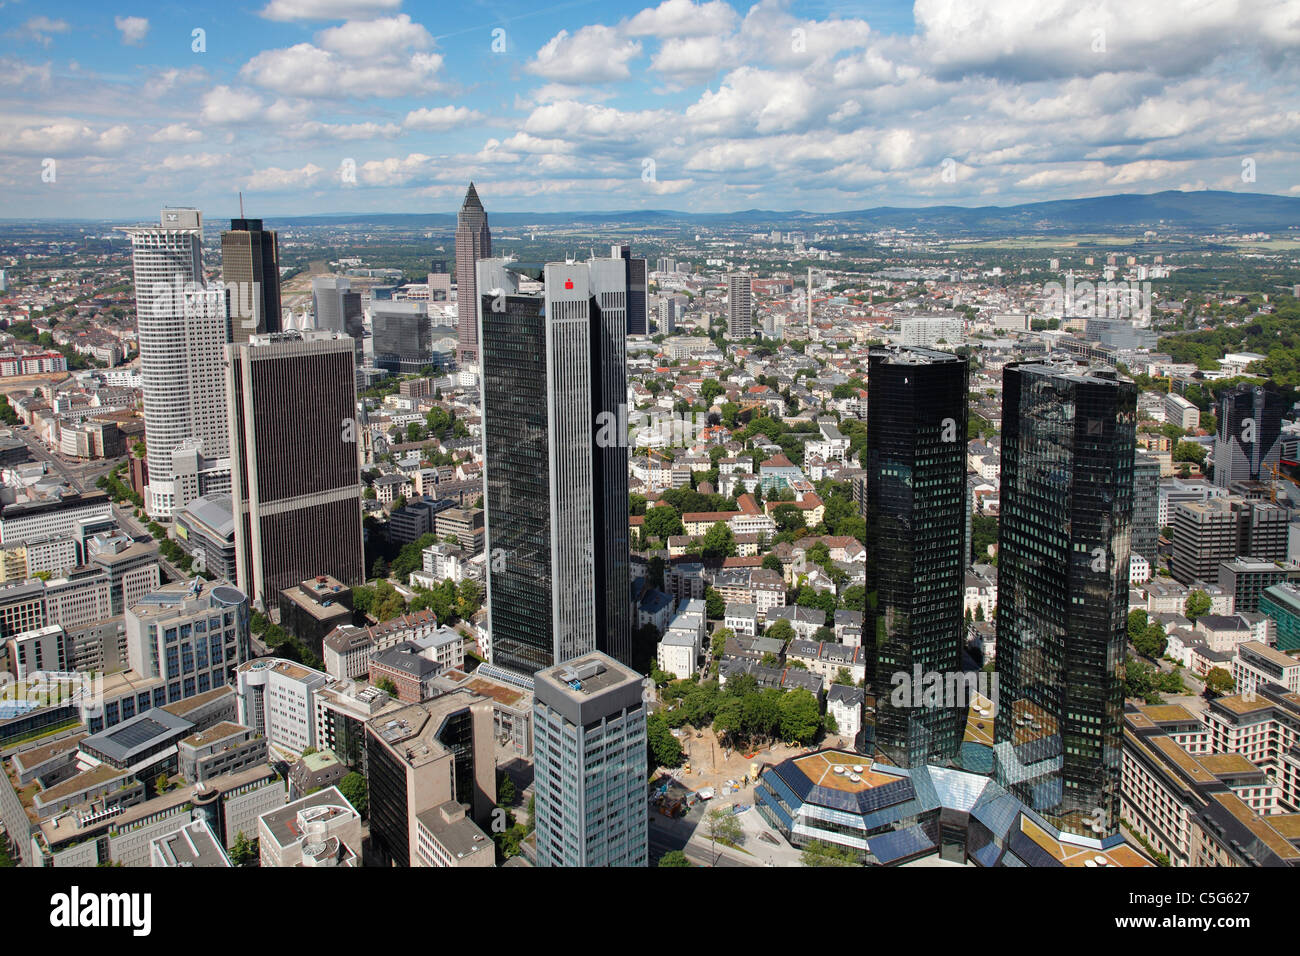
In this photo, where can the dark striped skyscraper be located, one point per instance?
(1249, 440)
(555, 448)
(638, 306)
(296, 483)
(250, 271)
(473, 242)
(1068, 445)
(916, 543)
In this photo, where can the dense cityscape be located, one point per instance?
(930, 536)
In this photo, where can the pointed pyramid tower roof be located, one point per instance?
(471, 197)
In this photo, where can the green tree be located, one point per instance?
(1152, 641)
(715, 606)
(1198, 605)
(1137, 623)
(800, 717)
(664, 748)
(780, 630)
(1219, 681)
(723, 827)
(821, 853)
(663, 522)
(387, 686)
(356, 792)
(507, 792)
(674, 858)
(718, 543)
(244, 852)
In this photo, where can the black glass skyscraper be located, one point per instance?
(554, 377)
(916, 546)
(636, 277)
(1068, 444)
(250, 270)
(1248, 442)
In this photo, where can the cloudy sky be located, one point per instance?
(315, 106)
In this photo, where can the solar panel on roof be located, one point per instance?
(134, 734)
(899, 844)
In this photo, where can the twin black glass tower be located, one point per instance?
(916, 546)
(1068, 441)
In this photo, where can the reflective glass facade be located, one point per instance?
(554, 376)
(1068, 439)
(916, 545)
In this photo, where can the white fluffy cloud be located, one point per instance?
(683, 18)
(372, 38)
(222, 105)
(441, 118)
(595, 54)
(274, 178)
(133, 29)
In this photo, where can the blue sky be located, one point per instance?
(317, 106)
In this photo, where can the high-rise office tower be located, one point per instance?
(740, 306)
(1248, 443)
(182, 327)
(667, 315)
(1146, 507)
(638, 298)
(296, 493)
(1207, 533)
(250, 271)
(473, 242)
(336, 306)
(401, 334)
(1068, 443)
(590, 764)
(916, 537)
(555, 447)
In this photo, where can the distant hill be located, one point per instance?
(1204, 210)
(1197, 211)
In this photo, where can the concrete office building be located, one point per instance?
(321, 829)
(740, 306)
(473, 243)
(205, 529)
(1063, 568)
(1179, 411)
(182, 326)
(336, 307)
(292, 399)
(555, 447)
(1223, 529)
(250, 271)
(424, 755)
(277, 699)
(190, 635)
(132, 567)
(589, 764)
